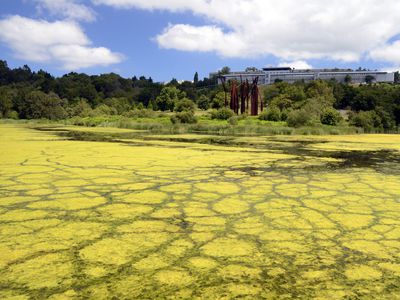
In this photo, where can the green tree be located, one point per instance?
(224, 71)
(320, 88)
(282, 102)
(369, 79)
(294, 92)
(81, 109)
(218, 101)
(189, 88)
(173, 82)
(39, 105)
(203, 102)
(168, 97)
(44, 81)
(147, 94)
(6, 101)
(366, 99)
(121, 104)
(368, 120)
(5, 72)
(270, 92)
(331, 117)
(396, 77)
(23, 74)
(251, 69)
(196, 78)
(347, 79)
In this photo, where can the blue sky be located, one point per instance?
(174, 39)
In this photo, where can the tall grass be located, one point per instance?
(223, 128)
(162, 125)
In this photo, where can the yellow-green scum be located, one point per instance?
(288, 217)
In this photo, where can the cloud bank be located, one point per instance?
(60, 42)
(70, 9)
(290, 30)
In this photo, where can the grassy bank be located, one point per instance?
(251, 126)
(160, 123)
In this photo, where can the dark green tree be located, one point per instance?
(203, 102)
(224, 71)
(39, 105)
(369, 79)
(6, 101)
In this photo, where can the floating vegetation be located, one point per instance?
(104, 213)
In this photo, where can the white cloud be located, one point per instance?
(288, 29)
(61, 42)
(70, 9)
(391, 69)
(171, 5)
(77, 57)
(387, 53)
(298, 64)
(202, 39)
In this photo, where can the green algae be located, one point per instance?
(277, 218)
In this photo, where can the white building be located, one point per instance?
(268, 76)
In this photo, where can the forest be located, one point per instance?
(25, 94)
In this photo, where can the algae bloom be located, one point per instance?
(134, 218)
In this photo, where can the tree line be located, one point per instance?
(370, 106)
(26, 94)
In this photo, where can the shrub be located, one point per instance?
(120, 105)
(13, 115)
(185, 117)
(271, 114)
(367, 120)
(331, 117)
(140, 113)
(222, 114)
(184, 105)
(387, 119)
(285, 114)
(103, 110)
(243, 116)
(298, 118)
(281, 102)
(80, 109)
(233, 120)
(203, 102)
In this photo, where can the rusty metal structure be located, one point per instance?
(234, 98)
(254, 97)
(244, 97)
(223, 81)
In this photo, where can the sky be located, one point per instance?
(168, 39)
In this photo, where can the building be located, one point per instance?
(268, 76)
